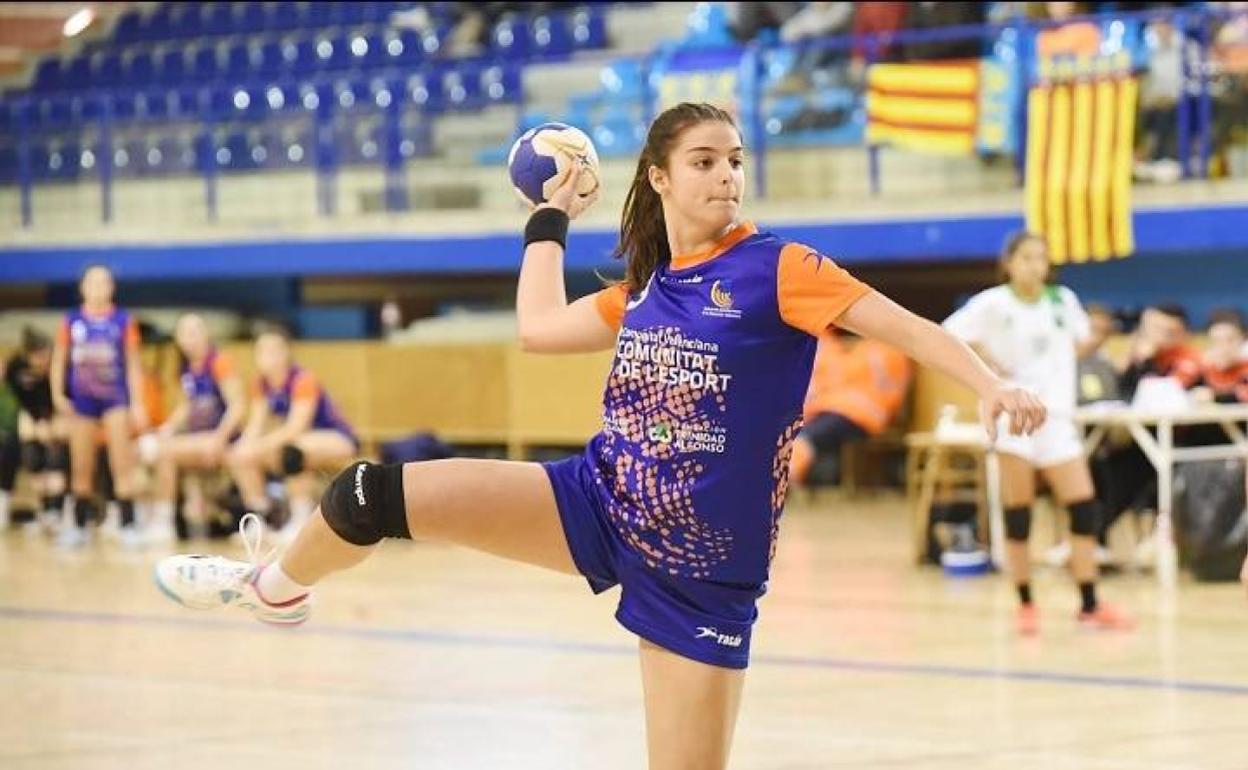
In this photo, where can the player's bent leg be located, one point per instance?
(504, 508)
(691, 710)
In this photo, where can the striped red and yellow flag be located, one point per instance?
(1079, 156)
(924, 106)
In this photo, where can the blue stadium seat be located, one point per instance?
(622, 79)
(270, 61)
(249, 18)
(425, 92)
(171, 65)
(367, 49)
(237, 156)
(352, 94)
(153, 104)
(205, 63)
(299, 56)
(238, 62)
(550, 37)
(182, 21)
(129, 27)
(283, 17)
(402, 47)
(77, 73)
(184, 102)
(281, 97)
(47, 75)
(125, 105)
(138, 69)
(462, 86)
(332, 53)
(501, 83)
(589, 28)
(510, 38)
(216, 18)
(105, 68)
(317, 15)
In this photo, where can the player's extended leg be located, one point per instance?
(1071, 482)
(504, 508)
(315, 450)
(691, 710)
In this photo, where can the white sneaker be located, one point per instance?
(203, 582)
(130, 537)
(72, 538)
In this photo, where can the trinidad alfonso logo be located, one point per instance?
(721, 301)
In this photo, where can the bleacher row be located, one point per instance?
(184, 90)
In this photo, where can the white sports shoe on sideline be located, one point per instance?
(203, 582)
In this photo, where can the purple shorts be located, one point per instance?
(89, 406)
(704, 621)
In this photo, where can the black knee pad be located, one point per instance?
(292, 460)
(1085, 517)
(58, 456)
(1018, 523)
(365, 503)
(34, 457)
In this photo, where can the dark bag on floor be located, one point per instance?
(1210, 523)
(415, 448)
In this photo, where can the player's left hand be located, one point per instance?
(1025, 410)
(567, 199)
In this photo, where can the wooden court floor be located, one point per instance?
(434, 657)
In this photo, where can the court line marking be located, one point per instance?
(419, 636)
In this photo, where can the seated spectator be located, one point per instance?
(933, 15)
(1160, 348)
(1160, 92)
(1098, 379)
(1224, 370)
(198, 433)
(293, 429)
(39, 442)
(856, 389)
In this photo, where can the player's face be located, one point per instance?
(97, 286)
(705, 176)
(1029, 265)
(272, 354)
(192, 337)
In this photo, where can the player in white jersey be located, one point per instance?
(1031, 332)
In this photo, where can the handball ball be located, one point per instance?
(542, 157)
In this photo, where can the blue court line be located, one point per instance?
(598, 648)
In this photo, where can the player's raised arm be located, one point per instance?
(547, 322)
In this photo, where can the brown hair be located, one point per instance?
(643, 232)
(1013, 242)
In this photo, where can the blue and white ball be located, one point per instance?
(542, 157)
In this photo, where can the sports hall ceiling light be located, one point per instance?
(78, 22)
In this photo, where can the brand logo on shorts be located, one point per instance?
(710, 632)
(359, 485)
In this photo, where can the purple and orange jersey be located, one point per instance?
(712, 363)
(202, 389)
(98, 347)
(301, 385)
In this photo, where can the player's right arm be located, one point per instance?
(546, 321)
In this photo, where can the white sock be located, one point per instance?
(276, 587)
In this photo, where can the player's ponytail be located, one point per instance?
(643, 232)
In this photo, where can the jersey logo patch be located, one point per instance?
(721, 301)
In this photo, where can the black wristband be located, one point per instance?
(547, 224)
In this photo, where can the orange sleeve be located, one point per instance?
(610, 303)
(814, 291)
(257, 388)
(305, 387)
(222, 368)
(132, 335)
(62, 334)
